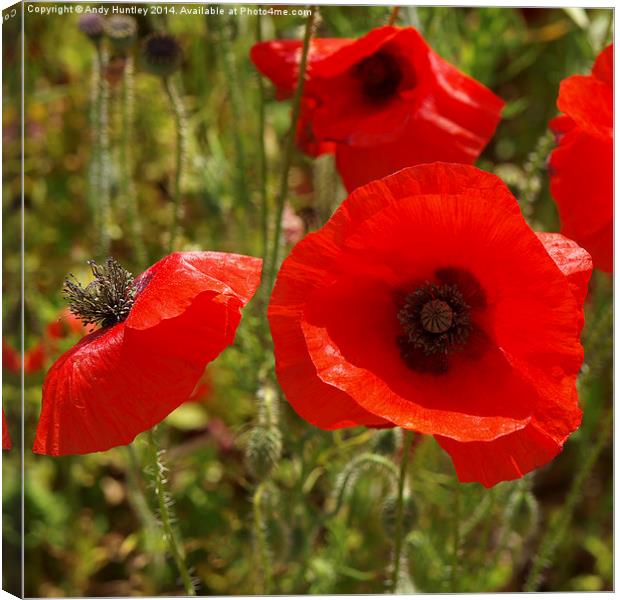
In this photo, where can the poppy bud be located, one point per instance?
(92, 25)
(121, 31)
(161, 54)
(263, 450)
(388, 513)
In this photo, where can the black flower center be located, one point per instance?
(107, 299)
(380, 76)
(436, 321)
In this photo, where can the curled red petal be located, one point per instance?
(120, 381)
(279, 60)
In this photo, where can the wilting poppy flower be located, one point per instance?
(581, 167)
(427, 302)
(158, 333)
(382, 102)
(6, 439)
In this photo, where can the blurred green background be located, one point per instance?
(88, 529)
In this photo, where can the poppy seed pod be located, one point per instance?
(92, 25)
(161, 54)
(121, 30)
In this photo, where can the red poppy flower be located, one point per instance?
(66, 324)
(427, 302)
(126, 377)
(6, 439)
(382, 102)
(581, 167)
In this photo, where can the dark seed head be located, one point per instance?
(107, 299)
(92, 25)
(161, 54)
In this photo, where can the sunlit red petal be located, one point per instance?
(120, 381)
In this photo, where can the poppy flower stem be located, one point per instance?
(398, 540)
(288, 154)
(456, 532)
(103, 141)
(93, 168)
(128, 188)
(558, 527)
(393, 16)
(260, 539)
(262, 155)
(163, 501)
(180, 121)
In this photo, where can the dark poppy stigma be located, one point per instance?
(380, 76)
(436, 321)
(107, 299)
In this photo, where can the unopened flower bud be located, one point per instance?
(92, 24)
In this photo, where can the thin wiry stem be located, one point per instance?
(398, 540)
(180, 121)
(262, 157)
(93, 168)
(163, 502)
(103, 194)
(557, 529)
(127, 185)
(288, 153)
(393, 15)
(260, 539)
(456, 540)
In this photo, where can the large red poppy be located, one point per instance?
(428, 303)
(382, 102)
(581, 167)
(125, 378)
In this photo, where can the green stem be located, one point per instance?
(93, 168)
(398, 541)
(161, 494)
(558, 527)
(260, 534)
(288, 154)
(103, 198)
(128, 189)
(456, 531)
(393, 16)
(180, 121)
(262, 156)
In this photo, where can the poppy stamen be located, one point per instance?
(436, 322)
(380, 76)
(107, 299)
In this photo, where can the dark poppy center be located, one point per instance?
(436, 321)
(380, 75)
(107, 299)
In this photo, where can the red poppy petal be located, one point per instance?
(11, 360)
(118, 382)
(589, 102)
(503, 459)
(279, 60)
(581, 170)
(168, 287)
(34, 358)
(6, 439)
(572, 260)
(603, 68)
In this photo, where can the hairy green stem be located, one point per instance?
(260, 535)
(558, 527)
(288, 153)
(456, 533)
(163, 502)
(262, 156)
(180, 121)
(93, 168)
(103, 171)
(128, 191)
(398, 540)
